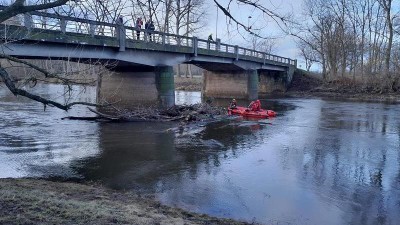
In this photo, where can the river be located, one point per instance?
(320, 161)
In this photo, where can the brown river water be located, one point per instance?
(320, 161)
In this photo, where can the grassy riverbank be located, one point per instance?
(31, 201)
(310, 85)
(189, 84)
(305, 85)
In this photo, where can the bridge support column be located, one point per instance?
(252, 84)
(165, 85)
(135, 88)
(231, 84)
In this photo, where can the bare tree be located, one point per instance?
(309, 55)
(387, 7)
(265, 44)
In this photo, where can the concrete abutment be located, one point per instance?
(274, 81)
(129, 89)
(231, 84)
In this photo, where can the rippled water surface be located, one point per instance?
(318, 162)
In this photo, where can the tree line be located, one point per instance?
(352, 39)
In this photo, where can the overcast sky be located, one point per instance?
(285, 45)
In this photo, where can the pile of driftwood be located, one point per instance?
(184, 113)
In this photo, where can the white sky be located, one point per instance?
(285, 45)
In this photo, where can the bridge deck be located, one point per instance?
(78, 31)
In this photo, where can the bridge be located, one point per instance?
(142, 60)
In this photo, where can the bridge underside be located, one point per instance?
(145, 77)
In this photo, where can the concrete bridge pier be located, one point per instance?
(231, 84)
(149, 86)
(274, 81)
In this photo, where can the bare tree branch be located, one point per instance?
(18, 7)
(46, 102)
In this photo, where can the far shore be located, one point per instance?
(303, 88)
(364, 97)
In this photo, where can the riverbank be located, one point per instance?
(308, 86)
(31, 201)
(188, 84)
(364, 97)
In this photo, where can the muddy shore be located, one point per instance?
(32, 201)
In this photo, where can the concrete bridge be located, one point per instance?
(142, 60)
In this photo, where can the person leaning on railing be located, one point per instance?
(210, 39)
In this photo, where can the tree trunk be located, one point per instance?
(179, 70)
(190, 70)
(389, 21)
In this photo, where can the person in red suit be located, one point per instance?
(255, 105)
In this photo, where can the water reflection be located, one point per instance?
(318, 162)
(139, 155)
(187, 98)
(34, 142)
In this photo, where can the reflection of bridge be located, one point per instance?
(144, 59)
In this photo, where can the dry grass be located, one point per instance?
(307, 85)
(28, 201)
(189, 84)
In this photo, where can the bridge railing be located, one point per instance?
(133, 33)
(49, 21)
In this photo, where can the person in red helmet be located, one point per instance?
(255, 105)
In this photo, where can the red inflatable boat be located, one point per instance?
(245, 112)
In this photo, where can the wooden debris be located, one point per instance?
(183, 113)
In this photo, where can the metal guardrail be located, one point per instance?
(67, 24)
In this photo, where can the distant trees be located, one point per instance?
(354, 39)
(261, 44)
(16, 86)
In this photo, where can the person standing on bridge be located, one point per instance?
(138, 26)
(151, 28)
(210, 39)
(146, 29)
(120, 20)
